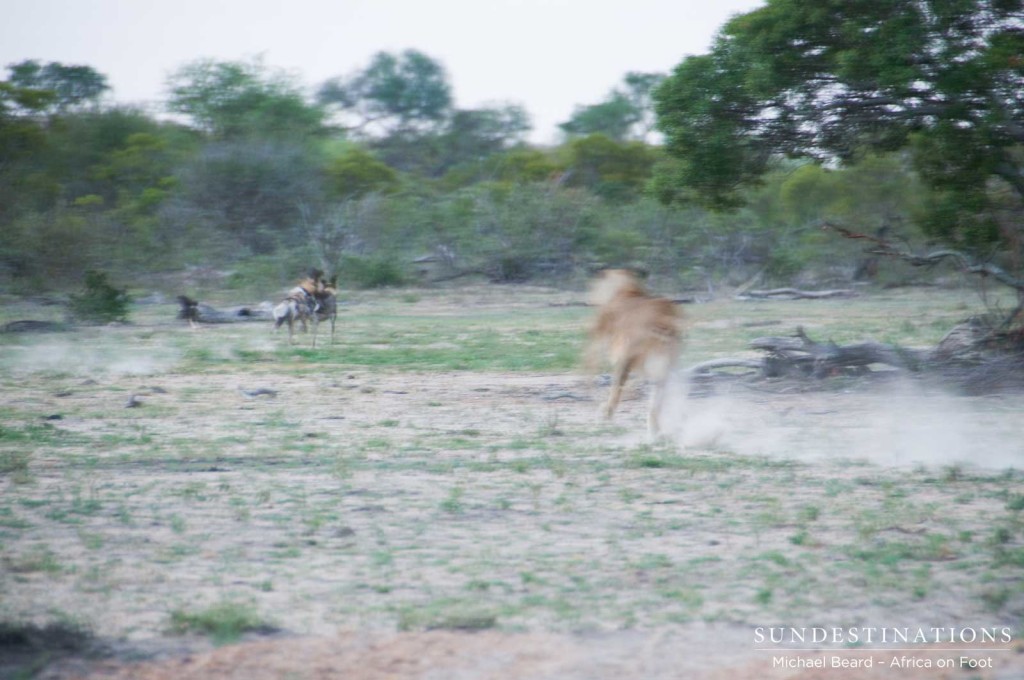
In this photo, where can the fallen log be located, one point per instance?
(200, 312)
(966, 358)
(795, 294)
(799, 354)
(706, 367)
(826, 358)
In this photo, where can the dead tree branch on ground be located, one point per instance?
(826, 358)
(795, 294)
(962, 358)
(799, 354)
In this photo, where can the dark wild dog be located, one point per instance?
(189, 310)
(633, 330)
(326, 306)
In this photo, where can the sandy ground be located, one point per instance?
(697, 653)
(843, 425)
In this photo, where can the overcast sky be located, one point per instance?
(547, 55)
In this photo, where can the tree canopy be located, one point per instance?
(68, 87)
(825, 80)
(230, 99)
(627, 112)
(398, 93)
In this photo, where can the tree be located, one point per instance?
(517, 165)
(624, 114)
(70, 87)
(613, 118)
(85, 149)
(21, 138)
(31, 93)
(475, 134)
(613, 170)
(233, 99)
(356, 173)
(639, 90)
(515, 233)
(252, 189)
(395, 94)
(825, 79)
(473, 137)
(523, 165)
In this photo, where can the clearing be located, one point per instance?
(433, 496)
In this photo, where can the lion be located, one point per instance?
(633, 330)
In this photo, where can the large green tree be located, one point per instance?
(21, 138)
(614, 118)
(356, 173)
(399, 94)
(71, 87)
(617, 171)
(474, 138)
(627, 112)
(827, 79)
(30, 100)
(253, 190)
(235, 99)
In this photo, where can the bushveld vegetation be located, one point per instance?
(379, 169)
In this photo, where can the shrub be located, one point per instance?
(372, 272)
(100, 302)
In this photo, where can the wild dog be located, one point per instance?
(326, 306)
(633, 330)
(299, 305)
(189, 310)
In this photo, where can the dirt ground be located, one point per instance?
(503, 406)
(367, 512)
(692, 653)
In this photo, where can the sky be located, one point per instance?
(546, 55)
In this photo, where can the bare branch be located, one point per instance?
(962, 260)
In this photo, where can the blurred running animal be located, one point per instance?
(633, 330)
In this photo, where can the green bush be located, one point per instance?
(510, 269)
(784, 265)
(263, 275)
(371, 272)
(101, 302)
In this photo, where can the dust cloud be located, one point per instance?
(898, 425)
(82, 359)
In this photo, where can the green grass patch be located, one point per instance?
(224, 622)
(31, 434)
(447, 614)
(486, 351)
(36, 560)
(14, 463)
(649, 457)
